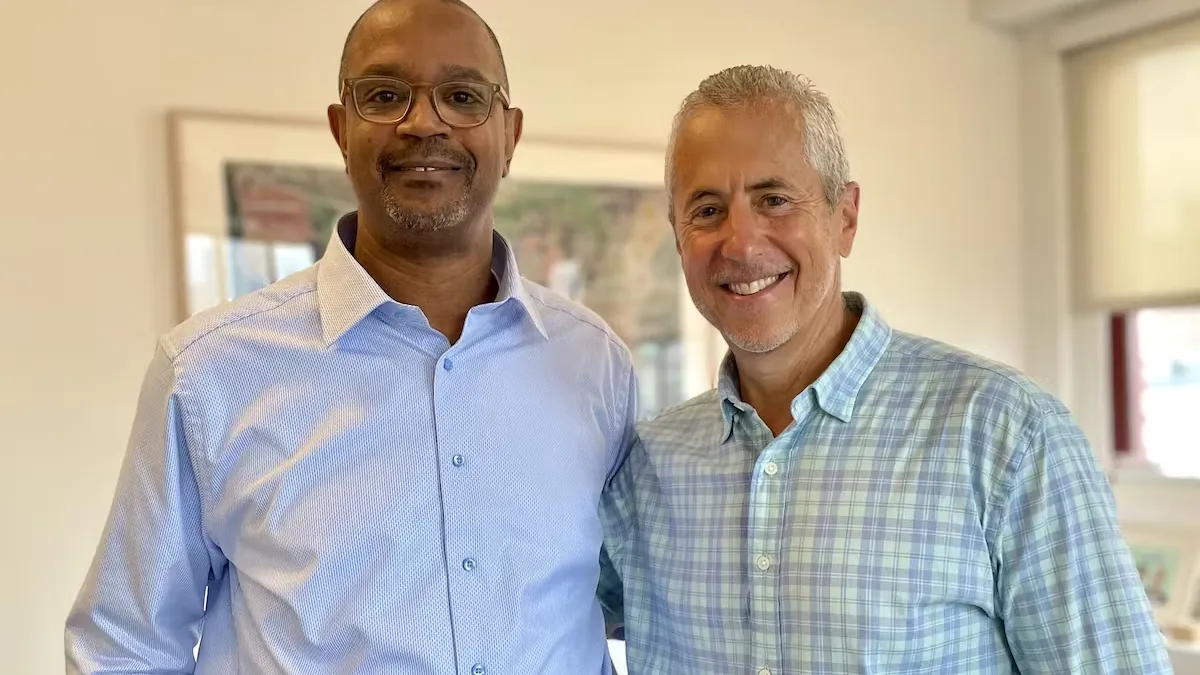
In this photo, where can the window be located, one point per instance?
(1133, 114)
(1156, 387)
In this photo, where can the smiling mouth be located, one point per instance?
(425, 169)
(754, 287)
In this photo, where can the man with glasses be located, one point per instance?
(390, 462)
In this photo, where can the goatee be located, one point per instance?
(406, 218)
(439, 218)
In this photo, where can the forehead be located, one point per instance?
(755, 142)
(424, 41)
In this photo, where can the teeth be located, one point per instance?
(423, 168)
(754, 286)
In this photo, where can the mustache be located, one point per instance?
(737, 273)
(423, 150)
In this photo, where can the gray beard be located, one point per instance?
(449, 216)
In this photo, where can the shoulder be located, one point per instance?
(1001, 418)
(687, 430)
(567, 319)
(210, 329)
(965, 378)
(696, 425)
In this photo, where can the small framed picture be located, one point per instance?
(1193, 611)
(1168, 561)
(1158, 566)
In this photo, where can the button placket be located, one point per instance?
(452, 386)
(765, 543)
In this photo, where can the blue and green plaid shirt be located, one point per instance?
(928, 511)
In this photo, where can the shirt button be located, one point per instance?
(771, 468)
(764, 671)
(469, 564)
(478, 669)
(448, 364)
(764, 563)
(457, 460)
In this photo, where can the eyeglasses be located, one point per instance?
(387, 100)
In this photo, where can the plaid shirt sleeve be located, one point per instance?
(616, 515)
(1068, 591)
(612, 597)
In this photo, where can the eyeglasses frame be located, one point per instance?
(497, 90)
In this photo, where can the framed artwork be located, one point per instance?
(1168, 562)
(256, 199)
(1193, 614)
(1158, 566)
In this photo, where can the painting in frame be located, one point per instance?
(1168, 561)
(255, 199)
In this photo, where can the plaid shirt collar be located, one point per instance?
(837, 388)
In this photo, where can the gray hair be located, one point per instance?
(743, 85)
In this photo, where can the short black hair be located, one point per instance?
(343, 71)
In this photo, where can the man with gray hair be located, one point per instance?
(850, 498)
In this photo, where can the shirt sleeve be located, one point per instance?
(612, 597)
(610, 591)
(1068, 591)
(142, 601)
(626, 417)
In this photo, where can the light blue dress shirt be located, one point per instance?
(356, 495)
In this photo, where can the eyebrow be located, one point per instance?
(700, 194)
(770, 184)
(463, 73)
(448, 73)
(381, 70)
(765, 184)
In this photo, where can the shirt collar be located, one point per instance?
(836, 390)
(346, 294)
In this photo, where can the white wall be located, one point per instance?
(930, 107)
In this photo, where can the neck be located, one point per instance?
(771, 380)
(444, 273)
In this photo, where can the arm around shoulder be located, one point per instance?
(142, 601)
(1068, 591)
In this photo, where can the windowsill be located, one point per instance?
(1185, 657)
(1184, 647)
(1146, 497)
(1137, 471)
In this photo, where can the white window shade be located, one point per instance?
(1134, 109)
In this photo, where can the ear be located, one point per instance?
(337, 126)
(514, 120)
(846, 219)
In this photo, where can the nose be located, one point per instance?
(422, 120)
(744, 235)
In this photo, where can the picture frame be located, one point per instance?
(254, 198)
(1192, 611)
(1168, 560)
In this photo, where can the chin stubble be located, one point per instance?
(424, 221)
(444, 217)
(760, 339)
